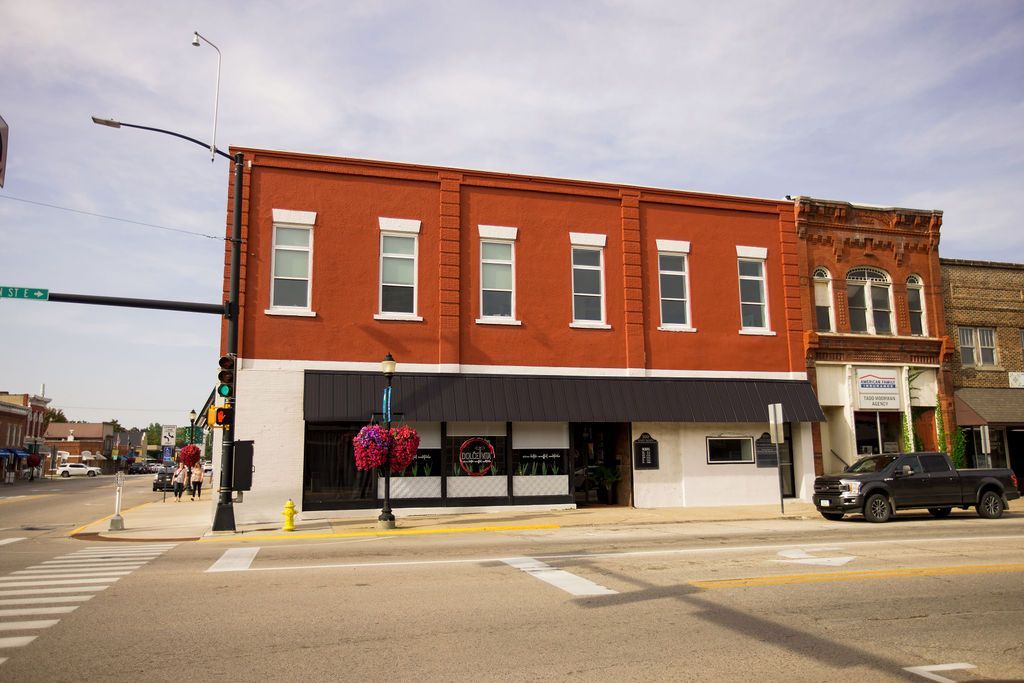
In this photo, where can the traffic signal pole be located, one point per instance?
(224, 517)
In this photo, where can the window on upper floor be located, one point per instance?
(824, 321)
(869, 300)
(399, 243)
(915, 306)
(753, 290)
(588, 308)
(292, 261)
(674, 285)
(977, 346)
(497, 275)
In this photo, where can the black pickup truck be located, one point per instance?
(878, 485)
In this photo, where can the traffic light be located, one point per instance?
(226, 377)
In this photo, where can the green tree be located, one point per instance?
(117, 425)
(153, 432)
(940, 426)
(53, 415)
(959, 454)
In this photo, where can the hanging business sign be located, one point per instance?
(765, 452)
(878, 389)
(476, 456)
(645, 453)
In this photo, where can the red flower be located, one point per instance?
(189, 455)
(372, 443)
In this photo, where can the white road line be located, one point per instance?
(26, 625)
(5, 541)
(5, 583)
(45, 601)
(51, 591)
(115, 553)
(570, 583)
(638, 553)
(94, 560)
(17, 641)
(234, 560)
(37, 611)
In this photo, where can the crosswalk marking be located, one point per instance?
(234, 560)
(56, 581)
(570, 583)
(39, 591)
(5, 541)
(26, 625)
(45, 601)
(16, 641)
(37, 611)
(4, 583)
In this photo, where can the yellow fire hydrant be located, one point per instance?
(289, 516)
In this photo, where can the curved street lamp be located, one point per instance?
(196, 37)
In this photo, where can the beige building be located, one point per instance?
(985, 314)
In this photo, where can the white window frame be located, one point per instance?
(399, 227)
(973, 335)
(498, 234)
(914, 282)
(757, 254)
(675, 248)
(707, 450)
(588, 242)
(295, 220)
(823, 280)
(866, 284)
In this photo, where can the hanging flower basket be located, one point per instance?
(372, 443)
(189, 455)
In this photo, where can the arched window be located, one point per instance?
(869, 299)
(915, 306)
(823, 318)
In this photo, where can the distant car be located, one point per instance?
(138, 468)
(162, 480)
(154, 467)
(78, 469)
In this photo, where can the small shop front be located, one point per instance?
(563, 441)
(999, 412)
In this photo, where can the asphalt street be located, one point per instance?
(794, 599)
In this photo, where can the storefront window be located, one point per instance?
(877, 432)
(730, 450)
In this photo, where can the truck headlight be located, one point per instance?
(850, 487)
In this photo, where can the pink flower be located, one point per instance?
(372, 443)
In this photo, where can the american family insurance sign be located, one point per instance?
(878, 389)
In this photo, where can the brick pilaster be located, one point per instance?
(632, 273)
(449, 283)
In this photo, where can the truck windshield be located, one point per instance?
(875, 463)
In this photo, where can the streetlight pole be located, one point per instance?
(386, 520)
(224, 518)
(192, 427)
(216, 93)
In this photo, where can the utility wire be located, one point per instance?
(113, 218)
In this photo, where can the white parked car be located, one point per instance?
(76, 468)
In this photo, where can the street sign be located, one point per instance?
(168, 453)
(775, 424)
(167, 435)
(24, 293)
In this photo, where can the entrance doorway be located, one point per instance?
(600, 462)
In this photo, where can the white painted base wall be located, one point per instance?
(685, 479)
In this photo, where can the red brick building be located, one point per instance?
(557, 321)
(876, 346)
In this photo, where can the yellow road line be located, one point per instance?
(397, 532)
(859, 575)
(103, 519)
(18, 499)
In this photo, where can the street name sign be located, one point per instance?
(24, 293)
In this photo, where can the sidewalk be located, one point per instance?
(191, 521)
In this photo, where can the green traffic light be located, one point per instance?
(224, 390)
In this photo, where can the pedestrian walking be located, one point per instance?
(197, 480)
(178, 479)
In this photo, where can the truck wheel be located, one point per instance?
(832, 516)
(877, 508)
(939, 513)
(991, 505)
(65, 474)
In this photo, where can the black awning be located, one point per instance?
(354, 396)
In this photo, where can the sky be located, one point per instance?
(913, 104)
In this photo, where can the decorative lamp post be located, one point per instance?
(386, 520)
(192, 427)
